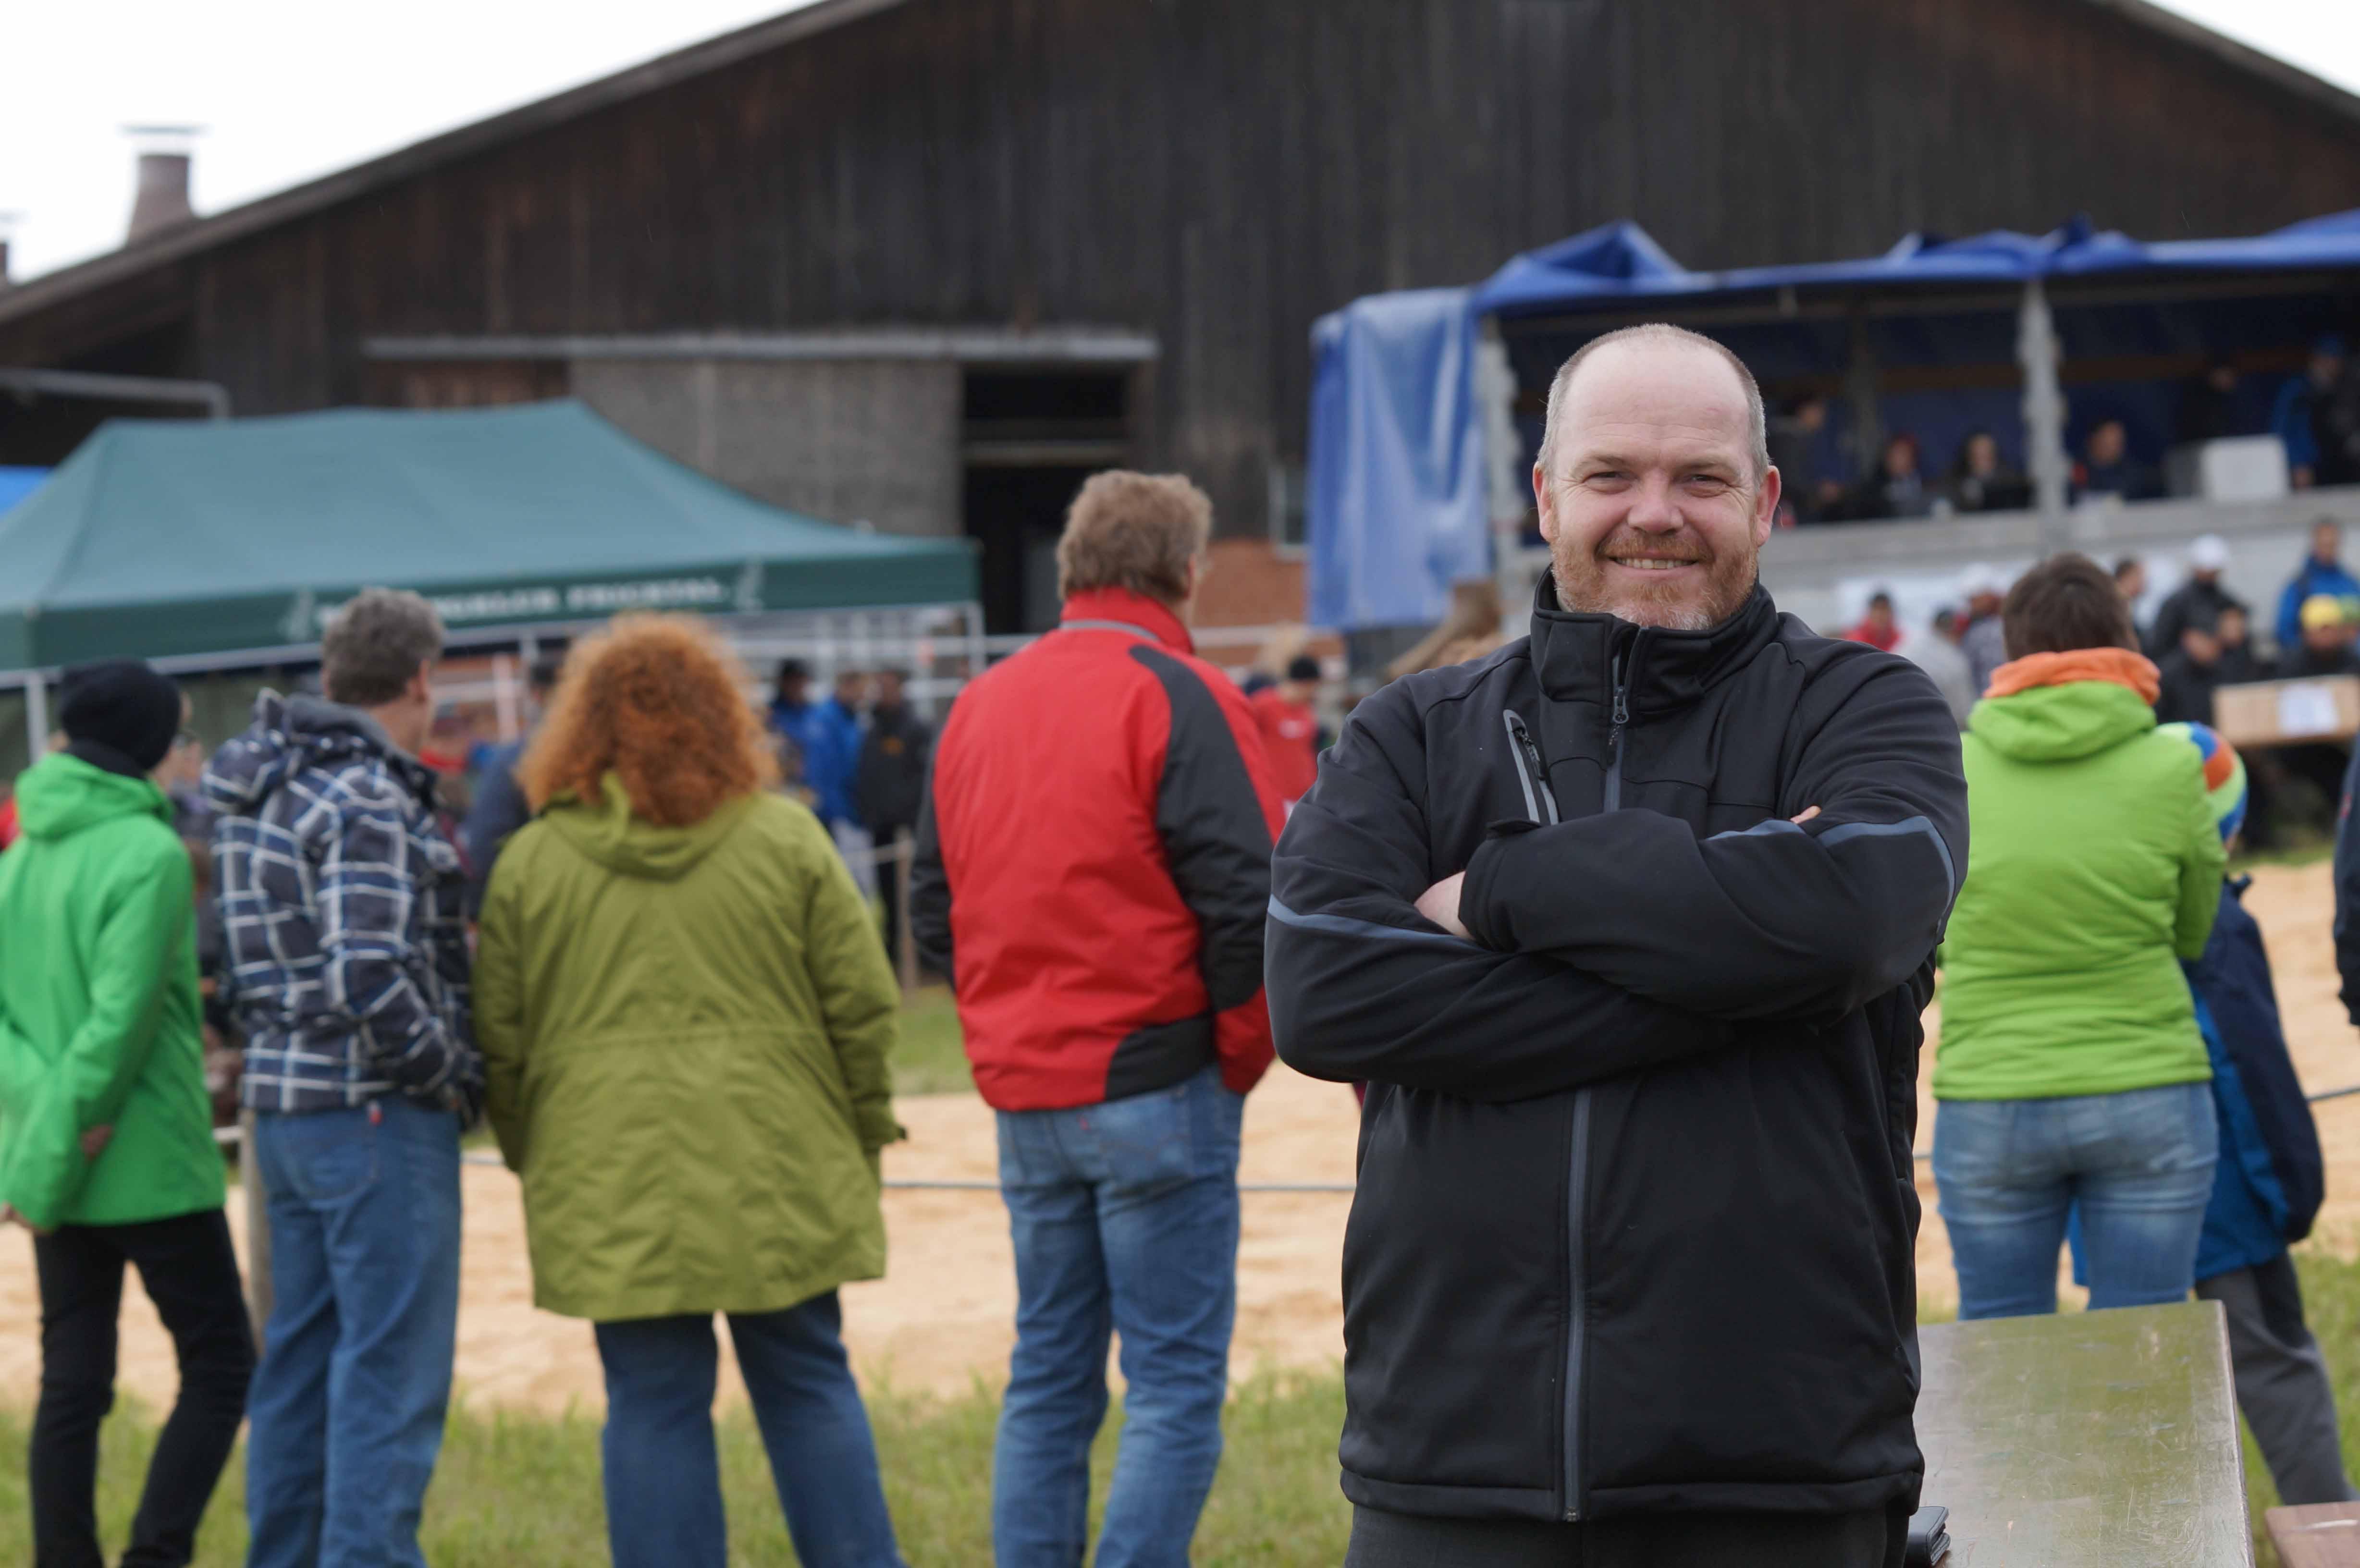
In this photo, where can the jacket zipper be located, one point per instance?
(1577, 1189)
(1624, 666)
(1533, 774)
(1577, 1315)
(1530, 771)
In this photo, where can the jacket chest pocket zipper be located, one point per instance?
(1540, 802)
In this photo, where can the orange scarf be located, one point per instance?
(2119, 665)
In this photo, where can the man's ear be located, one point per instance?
(1545, 499)
(1765, 505)
(421, 685)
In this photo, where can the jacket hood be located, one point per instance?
(62, 795)
(2060, 724)
(291, 734)
(608, 833)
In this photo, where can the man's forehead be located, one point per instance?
(1662, 387)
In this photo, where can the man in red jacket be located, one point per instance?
(1290, 729)
(1093, 868)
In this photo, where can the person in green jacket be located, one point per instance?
(2071, 1070)
(684, 1012)
(106, 1147)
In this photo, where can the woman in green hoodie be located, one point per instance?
(2071, 1069)
(684, 1012)
(106, 1147)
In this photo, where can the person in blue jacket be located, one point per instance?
(2321, 572)
(832, 749)
(826, 735)
(2267, 1186)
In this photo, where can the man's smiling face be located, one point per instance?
(1655, 511)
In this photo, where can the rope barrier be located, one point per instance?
(229, 1134)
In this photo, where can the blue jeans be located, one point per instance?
(2138, 1164)
(348, 1403)
(662, 1477)
(1125, 1220)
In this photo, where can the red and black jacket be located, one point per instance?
(1093, 864)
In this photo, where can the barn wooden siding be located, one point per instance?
(1218, 172)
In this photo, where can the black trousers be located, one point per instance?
(1876, 1539)
(889, 893)
(188, 1268)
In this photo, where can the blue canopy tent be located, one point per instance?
(1937, 336)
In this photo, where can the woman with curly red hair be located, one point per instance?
(684, 1012)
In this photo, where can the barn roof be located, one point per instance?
(423, 157)
(760, 38)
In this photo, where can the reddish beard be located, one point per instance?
(1680, 607)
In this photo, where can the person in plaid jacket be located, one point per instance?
(344, 911)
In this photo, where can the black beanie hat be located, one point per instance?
(120, 715)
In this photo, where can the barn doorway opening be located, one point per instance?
(1028, 439)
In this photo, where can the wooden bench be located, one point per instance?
(2317, 1535)
(2085, 1439)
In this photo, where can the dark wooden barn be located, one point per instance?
(924, 262)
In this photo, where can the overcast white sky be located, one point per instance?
(288, 90)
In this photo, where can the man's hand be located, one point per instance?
(9, 1216)
(1439, 904)
(94, 1142)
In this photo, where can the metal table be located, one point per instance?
(2086, 1438)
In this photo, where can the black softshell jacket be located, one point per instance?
(1635, 1219)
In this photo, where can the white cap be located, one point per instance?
(1979, 579)
(2208, 553)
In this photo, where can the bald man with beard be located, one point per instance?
(1628, 927)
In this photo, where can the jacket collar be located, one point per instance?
(1578, 657)
(331, 729)
(1120, 610)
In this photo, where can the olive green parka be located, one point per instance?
(684, 1035)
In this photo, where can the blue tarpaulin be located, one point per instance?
(1618, 264)
(1396, 504)
(1394, 497)
(15, 483)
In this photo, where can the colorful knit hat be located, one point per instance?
(2224, 775)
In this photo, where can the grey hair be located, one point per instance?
(374, 643)
(1756, 417)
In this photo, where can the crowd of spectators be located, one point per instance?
(2315, 415)
(2202, 639)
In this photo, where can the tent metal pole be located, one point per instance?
(36, 715)
(1863, 394)
(2044, 413)
(1505, 470)
(258, 1226)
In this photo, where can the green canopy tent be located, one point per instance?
(217, 544)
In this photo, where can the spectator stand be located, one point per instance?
(1428, 405)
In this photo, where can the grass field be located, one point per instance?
(518, 1490)
(512, 1492)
